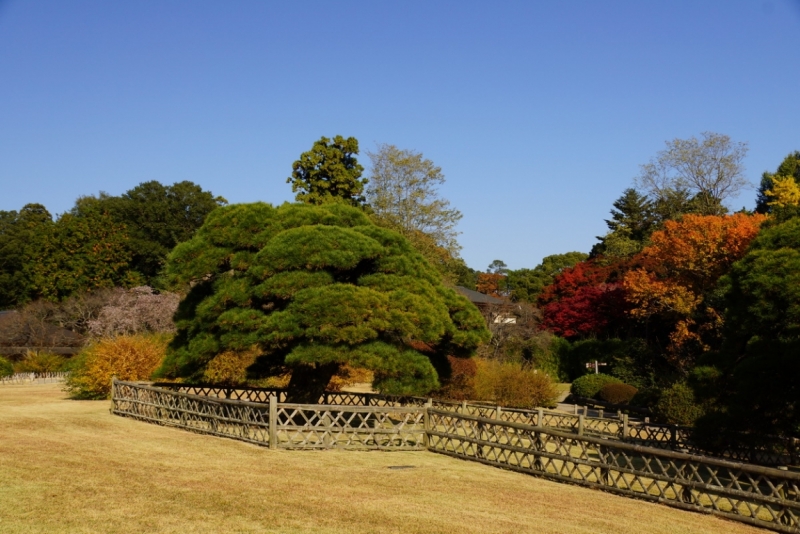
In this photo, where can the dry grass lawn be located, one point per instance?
(70, 466)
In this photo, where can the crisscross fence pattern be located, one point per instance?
(34, 378)
(615, 426)
(753, 494)
(275, 424)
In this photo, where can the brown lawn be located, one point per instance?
(70, 466)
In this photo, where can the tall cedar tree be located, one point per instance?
(313, 288)
(329, 172)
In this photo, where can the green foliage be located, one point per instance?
(526, 284)
(632, 221)
(6, 368)
(157, 217)
(617, 393)
(53, 260)
(546, 352)
(513, 385)
(790, 166)
(678, 405)
(23, 238)
(589, 386)
(763, 296)
(40, 361)
(758, 391)
(329, 172)
(314, 288)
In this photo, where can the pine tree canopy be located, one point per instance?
(313, 288)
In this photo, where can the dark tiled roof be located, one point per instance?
(478, 298)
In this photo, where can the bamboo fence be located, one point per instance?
(33, 378)
(552, 445)
(613, 425)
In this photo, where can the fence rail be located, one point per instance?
(761, 496)
(34, 378)
(275, 424)
(614, 426)
(752, 494)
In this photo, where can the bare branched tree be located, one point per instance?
(709, 168)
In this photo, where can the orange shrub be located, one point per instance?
(460, 385)
(126, 357)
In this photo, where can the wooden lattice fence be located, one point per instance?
(275, 424)
(33, 378)
(539, 442)
(752, 494)
(614, 426)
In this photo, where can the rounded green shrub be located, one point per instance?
(617, 393)
(590, 385)
(6, 369)
(678, 405)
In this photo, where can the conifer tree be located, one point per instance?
(312, 288)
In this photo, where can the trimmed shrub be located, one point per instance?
(126, 357)
(6, 369)
(589, 386)
(41, 362)
(617, 393)
(460, 384)
(678, 405)
(510, 384)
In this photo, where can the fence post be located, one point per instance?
(426, 419)
(273, 422)
(673, 435)
(601, 413)
(464, 406)
(113, 390)
(624, 426)
(575, 409)
(580, 425)
(539, 417)
(498, 413)
(585, 411)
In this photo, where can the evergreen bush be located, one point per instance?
(678, 405)
(6, 369)
(589, 386)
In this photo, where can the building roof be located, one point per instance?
(478, 298)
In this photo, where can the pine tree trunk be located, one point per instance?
(309, 382)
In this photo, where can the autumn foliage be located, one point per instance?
(490, 284)
(681, 266)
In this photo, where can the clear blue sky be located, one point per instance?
(539, 113)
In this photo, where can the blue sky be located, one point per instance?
(538, 113)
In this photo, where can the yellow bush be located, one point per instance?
(133, 357)
(511, 384)
(230, 367)
(36, 361)
(347, 376)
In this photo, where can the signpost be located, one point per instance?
(596, 366)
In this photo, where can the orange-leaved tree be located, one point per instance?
(682, 266)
